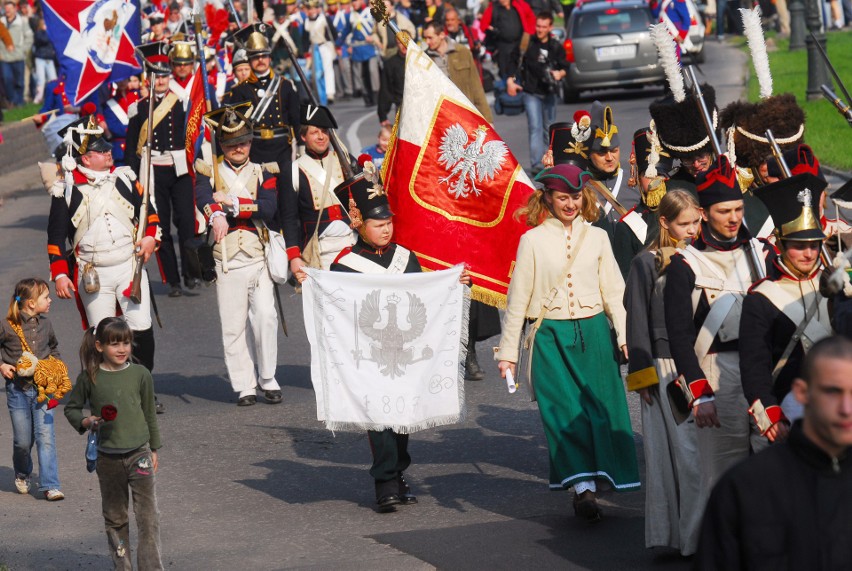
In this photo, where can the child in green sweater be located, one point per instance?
(127, 450)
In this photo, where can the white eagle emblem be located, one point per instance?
(469, 162)
(804, 197)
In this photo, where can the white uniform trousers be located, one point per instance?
(672, 513)
(247, 308)
(328, 53)
(114, 281)
(719, 449)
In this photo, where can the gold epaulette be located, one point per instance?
(663, 258)
(203, 168)
(271, 167)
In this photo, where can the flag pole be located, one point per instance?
(208, 105)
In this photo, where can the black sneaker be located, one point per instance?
(247, 400)
(273, 397)
(175, 291)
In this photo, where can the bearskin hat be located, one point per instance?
(750, 121)
(680, 125)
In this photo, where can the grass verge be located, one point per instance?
(826, 131)
(12, 115)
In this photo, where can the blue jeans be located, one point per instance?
(32, 423)
(721, 16)
(541, 113)
(13, 79)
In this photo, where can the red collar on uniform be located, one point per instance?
(182, 82)
(80, 178)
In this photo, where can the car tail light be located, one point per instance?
(611, 11)
(569, 50)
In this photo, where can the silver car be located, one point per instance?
(609, 45)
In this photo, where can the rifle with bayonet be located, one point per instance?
(842, 106)
(147, 177)
(706, 117)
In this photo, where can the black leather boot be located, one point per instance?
(472, 370)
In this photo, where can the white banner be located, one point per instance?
(387, 351)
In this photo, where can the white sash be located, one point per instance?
(615, 189)
(118, 111)
(363, 265)
(729, 293)
(635, 222)
(792, 308)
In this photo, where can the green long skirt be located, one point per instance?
(582, 404)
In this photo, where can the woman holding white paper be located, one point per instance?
(566, 284)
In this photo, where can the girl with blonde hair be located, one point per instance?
(672, 513)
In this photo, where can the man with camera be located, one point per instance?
(543, 66)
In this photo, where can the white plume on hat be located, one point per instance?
(753, 31)
(667, 52)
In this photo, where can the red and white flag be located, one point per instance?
(452, 182)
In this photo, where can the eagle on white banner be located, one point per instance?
(387, 351)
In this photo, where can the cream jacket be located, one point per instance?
(592, 285)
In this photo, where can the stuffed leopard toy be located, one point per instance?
(50, 375)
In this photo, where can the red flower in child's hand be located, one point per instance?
(52, 403)
(108, 412)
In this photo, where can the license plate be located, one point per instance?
(610, 53)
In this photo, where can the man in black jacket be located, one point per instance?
(542, 68)
(707, 281)
(393, 79)
(788, 507)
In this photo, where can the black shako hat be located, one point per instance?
(642, 151)
(793, 204)
(570, 142)
(156, 56)
(718, 184)
(316, 116)
(364, 196)
(254, 38)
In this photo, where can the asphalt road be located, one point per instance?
(268, 487)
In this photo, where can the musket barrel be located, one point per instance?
(776, 152)
(706, 115)
(841, 106)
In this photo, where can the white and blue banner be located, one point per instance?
(94, 41)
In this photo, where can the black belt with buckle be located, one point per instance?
(267, 134)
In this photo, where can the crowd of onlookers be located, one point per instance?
(27, 56)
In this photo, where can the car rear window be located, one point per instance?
(611, 21)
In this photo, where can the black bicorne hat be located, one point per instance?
(718, 184)
(800, 160)
(316, 116)
(84, 135)
(793, 204)
(604, 129)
